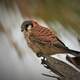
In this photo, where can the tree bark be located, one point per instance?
(63, 70)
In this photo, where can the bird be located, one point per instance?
(44, 41)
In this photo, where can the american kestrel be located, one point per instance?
(43, 41)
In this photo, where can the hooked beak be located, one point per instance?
(25, 25)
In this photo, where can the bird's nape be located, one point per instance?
(25, 25)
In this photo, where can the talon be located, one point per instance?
(43, 61)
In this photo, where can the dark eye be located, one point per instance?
(26, 27)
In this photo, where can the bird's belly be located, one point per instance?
(44, 49)
(51, 50)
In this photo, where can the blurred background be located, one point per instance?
(17, 61)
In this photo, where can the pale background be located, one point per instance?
(17, 61)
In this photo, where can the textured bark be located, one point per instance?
(65, 71)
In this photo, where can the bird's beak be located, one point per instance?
(25, 25)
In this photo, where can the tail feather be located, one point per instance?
(74, 60)
(75, 53)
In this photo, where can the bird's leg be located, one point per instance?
(46, 65)
(43, 59)
(44, 62)
(39, 54)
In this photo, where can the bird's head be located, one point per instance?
(27, 25)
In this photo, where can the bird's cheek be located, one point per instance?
(25, 34)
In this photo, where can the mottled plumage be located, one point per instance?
(43, 41)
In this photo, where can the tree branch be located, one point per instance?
(63, 70)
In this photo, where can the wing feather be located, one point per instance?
(46, 37)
